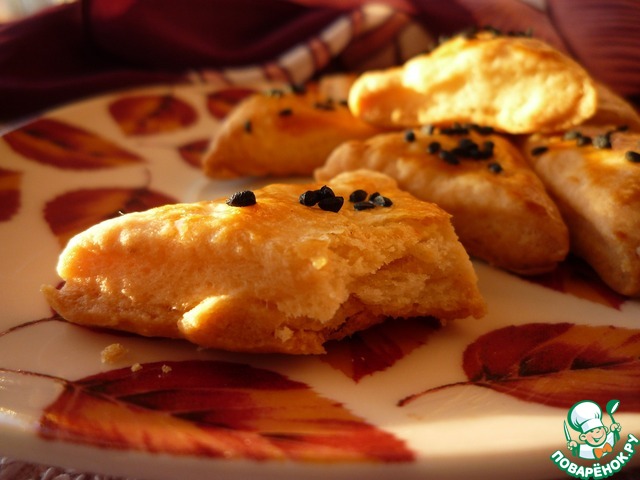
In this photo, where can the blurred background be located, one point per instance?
(15, 9)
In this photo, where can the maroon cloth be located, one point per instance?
(91, 46)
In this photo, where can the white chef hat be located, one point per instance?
(585, 415)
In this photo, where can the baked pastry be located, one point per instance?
(274, 276)
(514, 84)
(284, 132)
(594, 178)
(613, 111)
(500, 209)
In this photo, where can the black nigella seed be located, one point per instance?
(326, 192)
(382, 201)
(602, 141)
(495, 167)
(622, 128)
(449, 157)
(632, 156)
(364, 205)
(285, 112)
(310, 198)
(582, 141)
(433, 147)
(539, 150)
(331, 204)
(455, 129)
(298, 89)
(246, 198)
(409, 136)
(247, 126)
(482, 129)
(357, 196)
(571, 135)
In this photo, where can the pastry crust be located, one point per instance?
(284, 132)
(501, 214)
(276, 276)
(598, 193)
(514, 84)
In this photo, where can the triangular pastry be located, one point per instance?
(284, 132)
(282, 273)
(499, 207)
(593, 174)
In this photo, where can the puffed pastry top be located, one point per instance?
(272, 276)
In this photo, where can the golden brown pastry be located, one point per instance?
(613, 110)
(513, 84)
(594, 177)
(274, 276)
(284, 132)
(500, 209)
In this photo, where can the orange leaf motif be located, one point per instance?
(9, 193)
(151, 114)
(57, 143)
(214, 409)
(220, 103)
(193, 152)
(379, 347)
(75, 211)
(556, 364)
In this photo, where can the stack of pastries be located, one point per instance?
(531, 156)
(493, 146)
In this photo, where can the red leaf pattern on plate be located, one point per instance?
(215, 409)
(379, 347)
(220, 103)
(62, 145)
(193, 152)
(152, 114)
(9, 193)
(75, 211)
(556, 364)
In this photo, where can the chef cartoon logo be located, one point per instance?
(589, 439)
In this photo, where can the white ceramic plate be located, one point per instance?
(475, 399)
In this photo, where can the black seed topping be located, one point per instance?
(448, 157)
(571, 135)
(622, 128)
(602, 141)
(373, 196)
(433, 147)
(245, 198)
(410, 136)
(495, 167)
(539, 150)
(482, 129)
(364, 205)
(382, 201)
(298, 89)
(632, 156)
(285, 112)
(582, 141)
(331, 204)
(455, 129)
(326, 192)
(358, 196)
(309, 198)
(247, 126)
